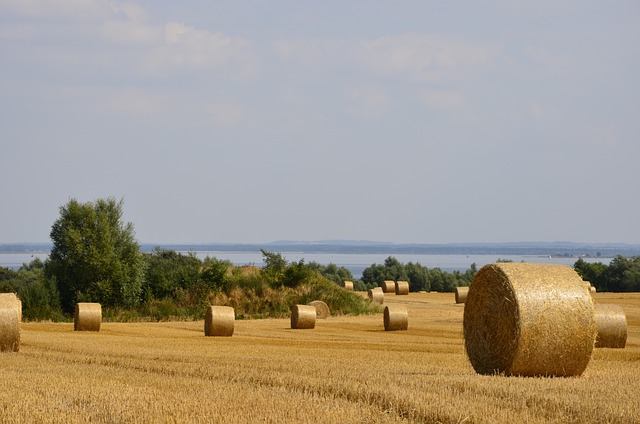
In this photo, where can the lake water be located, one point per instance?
(356, 263)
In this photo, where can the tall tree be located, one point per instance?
(95, 257)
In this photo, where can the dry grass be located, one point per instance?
(165, 373)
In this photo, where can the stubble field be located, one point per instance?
(346, 370)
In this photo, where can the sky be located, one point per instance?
(255, 121)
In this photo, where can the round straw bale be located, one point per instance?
(592, 289)
(88, 317)
(395, 318)
(376, 295)
(389, 286)
(303, 317)
(322, 309)
(528, 319)
(10, 317)
(348, 285)
(402, 287)
(611, 322)
(461, 294)
(14, 297)
(219, 321)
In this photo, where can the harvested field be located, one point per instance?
(267, 372)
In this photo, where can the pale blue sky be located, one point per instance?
(411, 121)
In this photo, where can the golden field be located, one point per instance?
(346, 370)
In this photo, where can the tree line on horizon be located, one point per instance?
(96, 258)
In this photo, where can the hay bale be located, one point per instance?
(395, 318)
(322, 309)
(592, 289)
(461, 294)
(402, 288)
(348, 285)
(10, 317)
(389, 286)
(219, 321)
(303, 317)
(376, 295)
(87, 317)
(528, 319)
(611, 322)
(14, 297)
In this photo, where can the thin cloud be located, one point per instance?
(188, 48)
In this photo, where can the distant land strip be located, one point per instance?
(566, 249)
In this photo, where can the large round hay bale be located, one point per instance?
(376, 295)
(219, 321)
(322, 309)
(87, 317)
(303, 317)
(388, 286)
(395, 318)
(528, 319)
(402, 288)
(348, 285)
(10, 317)
(461, 294)
(592, 289)
(13, 297)
(611, 322)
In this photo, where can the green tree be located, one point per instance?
(275, 265)
(95, 257)
(168, 272)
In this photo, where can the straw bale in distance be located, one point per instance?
(219, 321)
(303, 317)
(395, 318)
(376, 295)
(87, 317)
(14, 297)
(402, 288)
(389, 286)
(592, 289)
(348, 285)
(528, 319)
(322, 309)
(461, 294)
(10, 317)
(611, 322)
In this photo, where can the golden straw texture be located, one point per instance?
(303, 317)
(14, 297)
(322, 309)
(528, 319)
(376, 295)
(395, 318)
(87, 317)
(219, 321)
(389, 286)
(461, 294)
(402, 288)
(10, 317)
(611, 322)
(348, 285)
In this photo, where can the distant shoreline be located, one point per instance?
(552, 249)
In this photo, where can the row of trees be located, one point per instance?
(96, 258)
(420, 278)
(621, 275)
